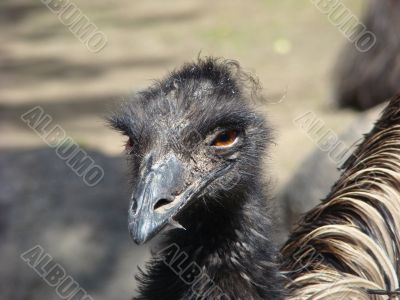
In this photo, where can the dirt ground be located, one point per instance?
(289, 44)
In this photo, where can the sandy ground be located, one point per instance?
(290, 45)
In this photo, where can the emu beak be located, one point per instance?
(155, 201)
(160, 196)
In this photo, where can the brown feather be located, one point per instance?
(348, 246)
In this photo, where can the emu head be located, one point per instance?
(192, 140)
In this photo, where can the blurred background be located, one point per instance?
(290, 45)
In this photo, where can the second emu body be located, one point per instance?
(195, 146)
(365, 78)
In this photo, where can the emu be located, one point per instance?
(348, 247)
(363, 79)
(195, 146)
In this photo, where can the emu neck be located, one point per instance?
(225, 253)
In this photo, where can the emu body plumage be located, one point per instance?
(348, 246)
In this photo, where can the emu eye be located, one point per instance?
(225, 139)
(129, 144)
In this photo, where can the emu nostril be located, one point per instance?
(133, 205)
(161, 203)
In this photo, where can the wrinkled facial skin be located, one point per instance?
(189, 139)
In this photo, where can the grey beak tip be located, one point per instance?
(138, 241)
(157, 184)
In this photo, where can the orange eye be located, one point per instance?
(225, 138)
